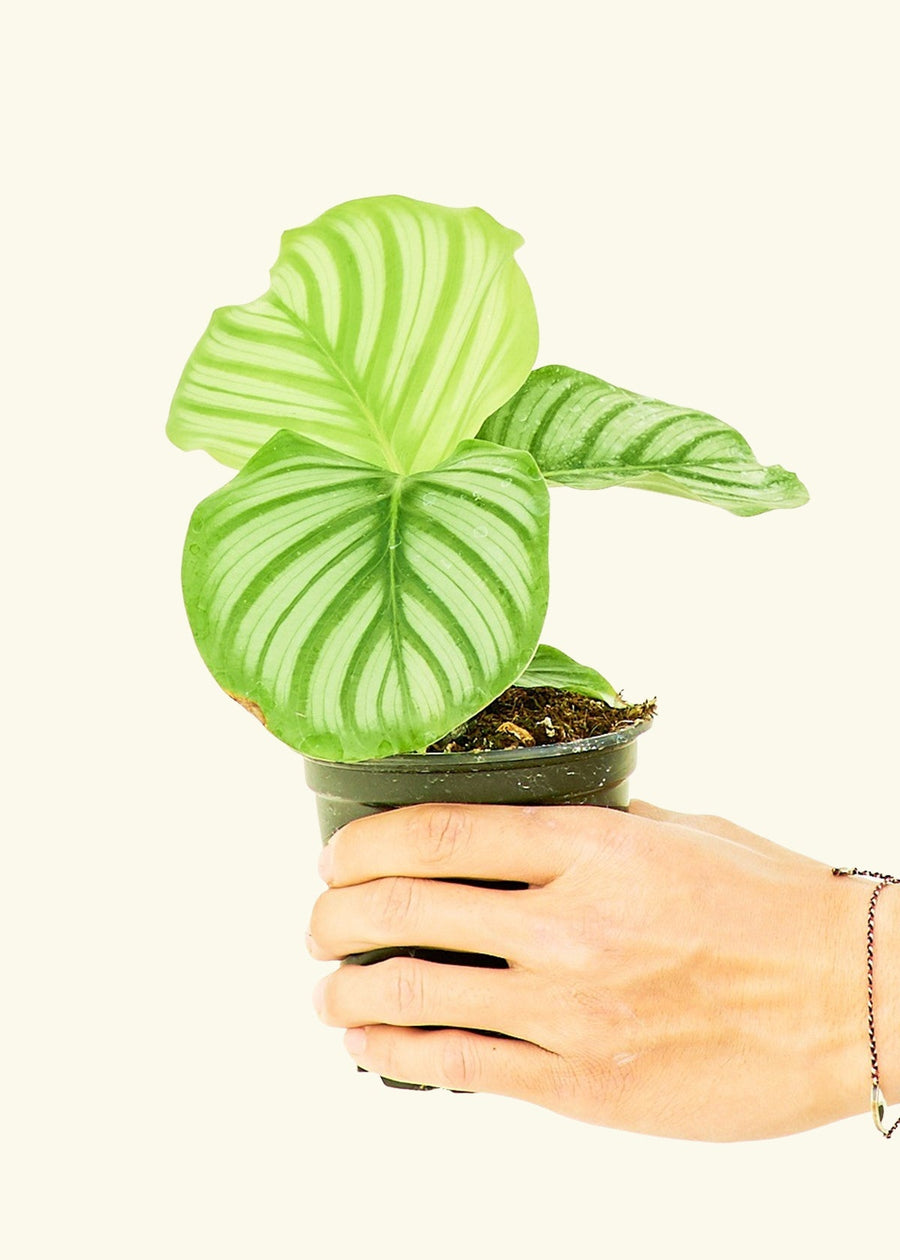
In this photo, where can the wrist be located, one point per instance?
(846, 1062)
(843, 1059)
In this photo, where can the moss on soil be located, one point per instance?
(524, 717)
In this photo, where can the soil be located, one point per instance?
(524, 717)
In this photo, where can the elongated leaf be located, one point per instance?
(549, 667)
(392, 328)
(360, 612)
(584, 432)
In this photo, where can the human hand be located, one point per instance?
(668, 974)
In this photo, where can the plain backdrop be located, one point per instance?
(708, 197)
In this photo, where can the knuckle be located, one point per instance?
(574, 936)
(702, 821)
(405, 988)
(393, 904)
(440, 833)
(459, 1062)
(612, 842)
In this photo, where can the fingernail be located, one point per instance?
(355, 1040)
(318, 999)
(326, 863)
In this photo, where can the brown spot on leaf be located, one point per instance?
(251, 706)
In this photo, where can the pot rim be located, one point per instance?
(429, 762)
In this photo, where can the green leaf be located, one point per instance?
(586, 433)
(392, 328)
(360, 612)
(549, 667)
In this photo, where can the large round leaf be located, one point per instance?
(361, 612)
(584, 432)
(392, 328)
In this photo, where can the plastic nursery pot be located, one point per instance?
(591, 771)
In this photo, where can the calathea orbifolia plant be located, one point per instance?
(377, 571)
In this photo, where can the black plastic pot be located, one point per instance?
(586, 772)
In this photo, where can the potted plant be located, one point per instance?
(376, 574)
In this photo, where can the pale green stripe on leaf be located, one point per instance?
(392, 328)
(584, 432)
(549, 667)
(365, 612)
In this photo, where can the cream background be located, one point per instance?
(708, 199)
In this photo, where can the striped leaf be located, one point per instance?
(361, 612)
(549, 667)
(584, 432)
(392, 328)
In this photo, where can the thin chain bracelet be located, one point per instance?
(878, 1103)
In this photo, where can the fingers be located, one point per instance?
(408, 992)
(453, 1059)
(528, 844)
(424, 912)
